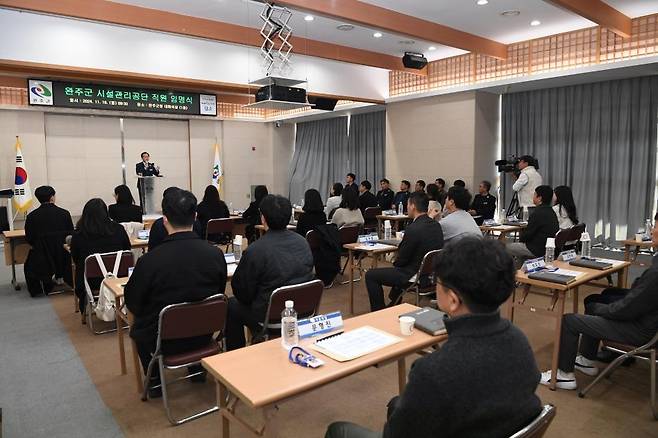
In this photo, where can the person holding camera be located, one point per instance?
(528, 180)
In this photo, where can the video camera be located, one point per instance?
(510, 165)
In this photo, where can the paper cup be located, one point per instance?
(399, 234)
(407, 325)
(639, 237)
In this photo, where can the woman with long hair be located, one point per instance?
(348, 213)
(334, 200)
(211, 207)
(564, 207)
(124, 210)
(252, 214)
(313, 214)
(94, 233)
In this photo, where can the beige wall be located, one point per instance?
(444, 136)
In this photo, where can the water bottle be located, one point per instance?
(289, 331)
(503, 216)
(586, 251)
(237, 247)
(292, 216)
(400, 209)
(549, 255)
(525, 214)
(387, 230)
(647, 228)
(230, 208)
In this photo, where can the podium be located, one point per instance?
(147, 194)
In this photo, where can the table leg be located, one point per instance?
(556, 338)
(222, 391)
(627, 252)
(350, 260)
(575, 299)
(375, 261)
(379, 227)
(510, 305)
(402, 374)
(119, 324)
(12, 247)
(622, 277)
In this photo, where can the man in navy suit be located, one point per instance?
(145, 168)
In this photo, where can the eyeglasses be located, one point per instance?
(448, 287)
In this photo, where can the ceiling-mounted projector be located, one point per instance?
(414, 60)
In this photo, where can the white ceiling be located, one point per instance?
(465, 15)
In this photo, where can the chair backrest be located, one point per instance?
(538, 426)
(427, 265)
(372, 213)
(186, 320)
(306, 297)
(568, 238)
(314, 240)
(93, 270)
(348, 234)
(219, 226)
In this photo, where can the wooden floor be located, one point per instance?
(616, 408)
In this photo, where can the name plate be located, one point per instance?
(534, 265)
(319, 324)
(229, 257)
(567, 256)
(368, 238)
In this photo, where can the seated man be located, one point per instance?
(45, 231)
(366, 198)
(402, 196)
(484, 203)
(421, 236)
(279, 258)
(458, 223)
(541, 225)
(183, 268)
(482, 381)
(158, 232)
(626, 316)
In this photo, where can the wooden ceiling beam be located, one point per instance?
(139, 17)
(387, 20)
(600, 13)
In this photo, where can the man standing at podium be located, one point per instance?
(145, 168)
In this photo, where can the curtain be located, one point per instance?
(367, 146)
(320, 157)
(599, 139)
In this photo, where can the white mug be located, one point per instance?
(407, 325)
(639, 237)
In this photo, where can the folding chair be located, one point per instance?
(370, 217)
(568, 238)
(416, 282)
(627, 351)
(537, 427)
(93, 271)
(348, 234)
(180, 321)
(306, 297)
(223, 227)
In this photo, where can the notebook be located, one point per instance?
(345, 346)
(429, 320)
(392, 242)
(552, 277)
(592, 264)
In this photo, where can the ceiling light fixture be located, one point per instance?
(431, 48)
(511, 13)
(482, 2)
(407, 42)
(345, 27)
(308, 18)
(535, 23)
(377, 35)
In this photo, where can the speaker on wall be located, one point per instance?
(322, 103)
(414, 60)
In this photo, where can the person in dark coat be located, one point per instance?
(211, 207)
(385, 195)
(484, 203)
(184, 268)
(95, 233)
(251, 215)
(313, 213)
(482, 381)
(145, 168)
(46, 229)
(279, 258)
(421, 236)
(402, 196)
(125, 209)
(366, 198)
(158, 232)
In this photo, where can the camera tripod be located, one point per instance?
(514, 207)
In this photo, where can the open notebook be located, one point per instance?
(350, 345)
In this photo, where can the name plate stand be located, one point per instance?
(534, 265)
(567, 256)
(319, 325)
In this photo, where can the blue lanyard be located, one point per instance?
(300, 357)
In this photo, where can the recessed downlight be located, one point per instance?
(535, 23)
(308, 18)
(511, 13)
(345, 27)
(377, 35)
(431, 48)
(482, 2)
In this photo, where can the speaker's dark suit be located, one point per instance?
(144, 170)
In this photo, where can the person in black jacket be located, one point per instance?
(45, 231)
(95, 233)
(279, 258)
(625, 316)
(350, 184)
(366, 198)
(251, 215)
(402, 196)
(421, 236)
(313, 214)
(541, 225)
(482, 381)
(158, 232)
(484, 203)
(211, 207)
(145, 168)
(385, 195)
(125, 209)
(184, 268)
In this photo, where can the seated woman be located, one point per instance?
(252, 214)
(94, 233)
(125, 209)
(211, 207)
(313, 214)
(348, 214)
(564, 207)
(334, 199)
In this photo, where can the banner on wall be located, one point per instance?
(22, 199)
(218, 173)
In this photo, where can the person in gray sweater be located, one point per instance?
(482, 382)
(458, 223)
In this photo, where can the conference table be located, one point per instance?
(395, 219)
(372, 250)
(559, 292)
(502, 229)
(16, 250)
(260, 376)
(632, 249)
